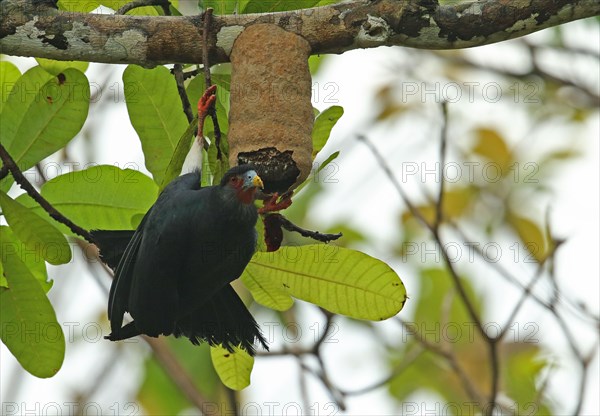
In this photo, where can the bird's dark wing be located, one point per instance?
(118, 297)
(223, 319)
(218, 257)
(118, 249)
(163, 250)
(124, 286)
(112, 245)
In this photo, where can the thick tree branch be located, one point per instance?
(42, 31)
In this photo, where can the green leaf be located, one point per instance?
(43, 113)
(3, 282)
(314, 63)
(340, 280)
(221, 7)
(56, 67)
(323, 125)
(28, 325)
(523, 364)
(441, 319)
(101, 197)
(138, 11)
(315, 177)
(89, 5)
(206, 179)
(9, 74)
(351, 235)
(11, 246)
(261, 6)
(155, 112)
(213, 170)
(178, 158)
(78, 5)
(327, 161)
(217, 167)
(37, 234)
(196, 88)
(266, 291)
(439, 301)
(234, 368)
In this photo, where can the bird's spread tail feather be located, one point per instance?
(223, 320)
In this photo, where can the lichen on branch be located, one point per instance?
(36, 29)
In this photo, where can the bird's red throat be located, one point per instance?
(246, 196)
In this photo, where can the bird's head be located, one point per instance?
(244, 181)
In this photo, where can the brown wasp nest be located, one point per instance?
(271, 115)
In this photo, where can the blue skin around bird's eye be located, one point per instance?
(249, 176)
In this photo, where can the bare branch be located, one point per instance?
(179, 375)
(207, 24)
(439, 206)
(34, 29)
(11, 166)
(435, 233)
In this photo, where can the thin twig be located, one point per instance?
(408, 360)
(585, 365)
(328, 325)
(98, 380)
(492, 342)
(439, 207)
(315, 235)
(434, 231)
(207, 21)
(38, 168)
(335, 394)
(495, 376)
(469, 387)
(177, 373)
(33, 193)
(185, 101)
(549, 306)
(527, 290)
(303, 387)
(503, 272)
(177, 70)
(233, 401)
(536, 71)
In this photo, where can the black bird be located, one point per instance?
(172, 274)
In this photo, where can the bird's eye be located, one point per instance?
(232, 179)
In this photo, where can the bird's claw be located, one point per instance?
(206, 101)
(272, 205)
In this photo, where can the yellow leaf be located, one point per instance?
(493, 147)
(457, 201)
(234, 368)
(531, 235)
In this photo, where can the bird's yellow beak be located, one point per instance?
(257, 182)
